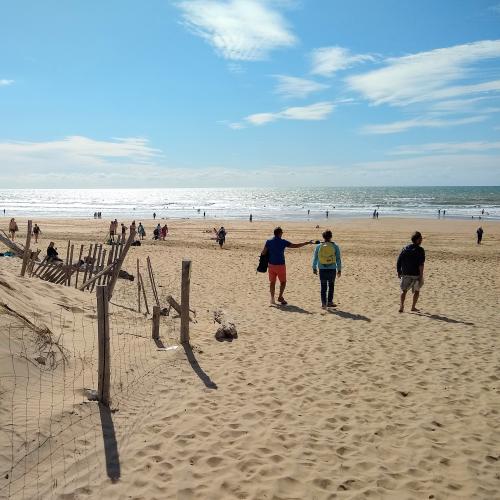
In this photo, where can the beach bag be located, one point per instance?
(327, 254)
(263, 263)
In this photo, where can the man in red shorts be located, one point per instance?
(275, 249)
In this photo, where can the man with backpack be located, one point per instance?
(410, 268)
(327, 259)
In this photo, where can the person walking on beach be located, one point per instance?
(124, 231)
(275, 250)
(112, 231)
(479, 235)
(154, 215)
(251, 218)
(141, 231)
(13, 228)
(221, 236)
(36, 232)
(164, 232)
(410, 269)
(327, 259)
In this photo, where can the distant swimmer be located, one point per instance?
(410, 269)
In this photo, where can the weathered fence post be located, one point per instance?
(138, 288)
(156, 322)
(27, 252)
(104, 373)
(186, 281)
(119, 262)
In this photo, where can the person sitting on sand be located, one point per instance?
(36, 232)
(13, 229)
(410, 268)
(52, 255)
(275, 249)
(479, 233)
(326, 257)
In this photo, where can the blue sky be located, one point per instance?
(249, 93)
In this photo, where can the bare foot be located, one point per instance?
(414, 309)
(401, 310)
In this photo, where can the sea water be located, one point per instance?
(262, 203)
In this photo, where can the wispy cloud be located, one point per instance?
(4, 82)
(241, 30)
(495, 8)
(294, 87)
(427, 76)
(78, 151)
(422, 122)
(446, 148)
(461, 105)
(317, 111)
(328, 60)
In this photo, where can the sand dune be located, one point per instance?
(356, 402)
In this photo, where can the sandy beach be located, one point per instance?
(355, 402)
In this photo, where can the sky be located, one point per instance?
(216, 93)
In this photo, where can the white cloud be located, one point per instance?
(402, 126)
(495, 8)
(241, 30)
(427, 76)
(291, 86)
(317, 111)
(459, 105)
(431, 170)
(77, 152)
(4, 83)
(446, 148)
(328, 60)
(84, 162)
(236, 125)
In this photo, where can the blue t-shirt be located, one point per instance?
(276, 250)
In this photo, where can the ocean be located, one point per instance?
(262, 203)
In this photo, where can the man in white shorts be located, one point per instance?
(410, 268)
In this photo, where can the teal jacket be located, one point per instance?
(338, 261)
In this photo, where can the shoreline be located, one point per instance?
(277, 220)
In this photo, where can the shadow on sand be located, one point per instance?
(348, 315)
(197, 368)
(438, 317)
(110, 445)
(290, 308)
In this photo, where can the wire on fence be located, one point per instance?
(51, 427)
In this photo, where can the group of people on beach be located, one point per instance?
(327, 263)
(326, 260)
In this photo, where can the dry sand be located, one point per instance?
(357, 402)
